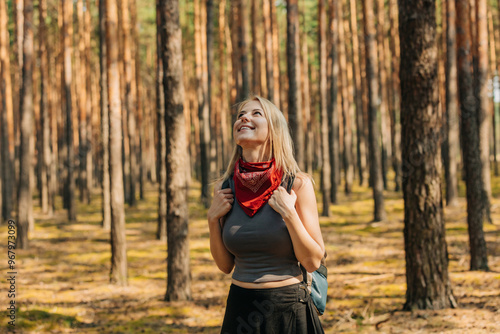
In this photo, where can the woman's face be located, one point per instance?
(251, 128)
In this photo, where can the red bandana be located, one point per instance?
(254, 183)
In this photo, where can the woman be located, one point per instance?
(262, 231)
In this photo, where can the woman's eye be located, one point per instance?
(239, 115)
(257, 113)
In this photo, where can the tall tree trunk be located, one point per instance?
(428, 282)
(268, 43)
(325, 169)
(161, 230)
(477, 197)
(130, 95)
(361, 139)
(384, 96)
(18, 66)
(346, 94)
(483, 111)
(24, 198)
(81, 83)
(493, 73)
(294, 96)
(208, 22)
(256, 49)
(306, 98)
(70, 155)
(333, 110)
(44, 111)
(91, 97)
(203, 103)
(396, 95)
(7, 119)
(452, 139)
(118, 274)
(277, 99)
(224, 111)
(179, 282)
(243, 45)
(371, 74)
(106, 193)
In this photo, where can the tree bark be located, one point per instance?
(24, 198)
(481, 85)
(294, 96)
(306, 98)
(396, 95)
(476, 195)
(118, 274)
(428, 282)
(325, 169)
(7, 119)
(67, 75)
(106, 192)
(224, 111)
(493, 72)
(268, 42)
(347, 106)
(383, 89)
(243, 46)
(161, 230)
(333, 110)
(179, 281)
(46, 154)
(452, 140)
(371, 70)
(256, 49)
(277, 100)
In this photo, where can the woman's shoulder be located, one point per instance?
(302, 180)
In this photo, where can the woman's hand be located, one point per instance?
(282, 202)
(221, 204)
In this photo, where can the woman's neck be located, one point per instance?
(254, 155)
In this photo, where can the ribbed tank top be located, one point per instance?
(261, 244)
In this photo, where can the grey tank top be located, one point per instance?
(261, 244)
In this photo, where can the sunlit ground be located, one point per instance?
(62, 281)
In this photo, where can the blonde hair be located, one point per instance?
(279, 140)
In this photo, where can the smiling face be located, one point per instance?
(251, 129)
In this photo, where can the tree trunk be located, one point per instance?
(333, 110)
(130, 95)
(294, 96)
(477, 198)
(223, 83)
(382, 76)
(161, 230)
(179, 282)
(91, 96)
(396, 95)
(203, 103)
(452, 140)
(243, 52)
(118, 274)
(24, 198)
(268, 43)
(81, 83)
(481, 85)
(371, 70)
(306, 98)
(44, 111)
(428, 282)
(277, 100)
(493, 73)
(346, 94)
(256, 49)
(7, 119)
(325, 169)
(70, 155)
(358, 93)
(106, 194)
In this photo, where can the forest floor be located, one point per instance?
(62, 283)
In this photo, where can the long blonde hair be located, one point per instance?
(279, 140)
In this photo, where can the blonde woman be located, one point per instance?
(262, 231)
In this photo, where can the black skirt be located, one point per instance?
(283, 310)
